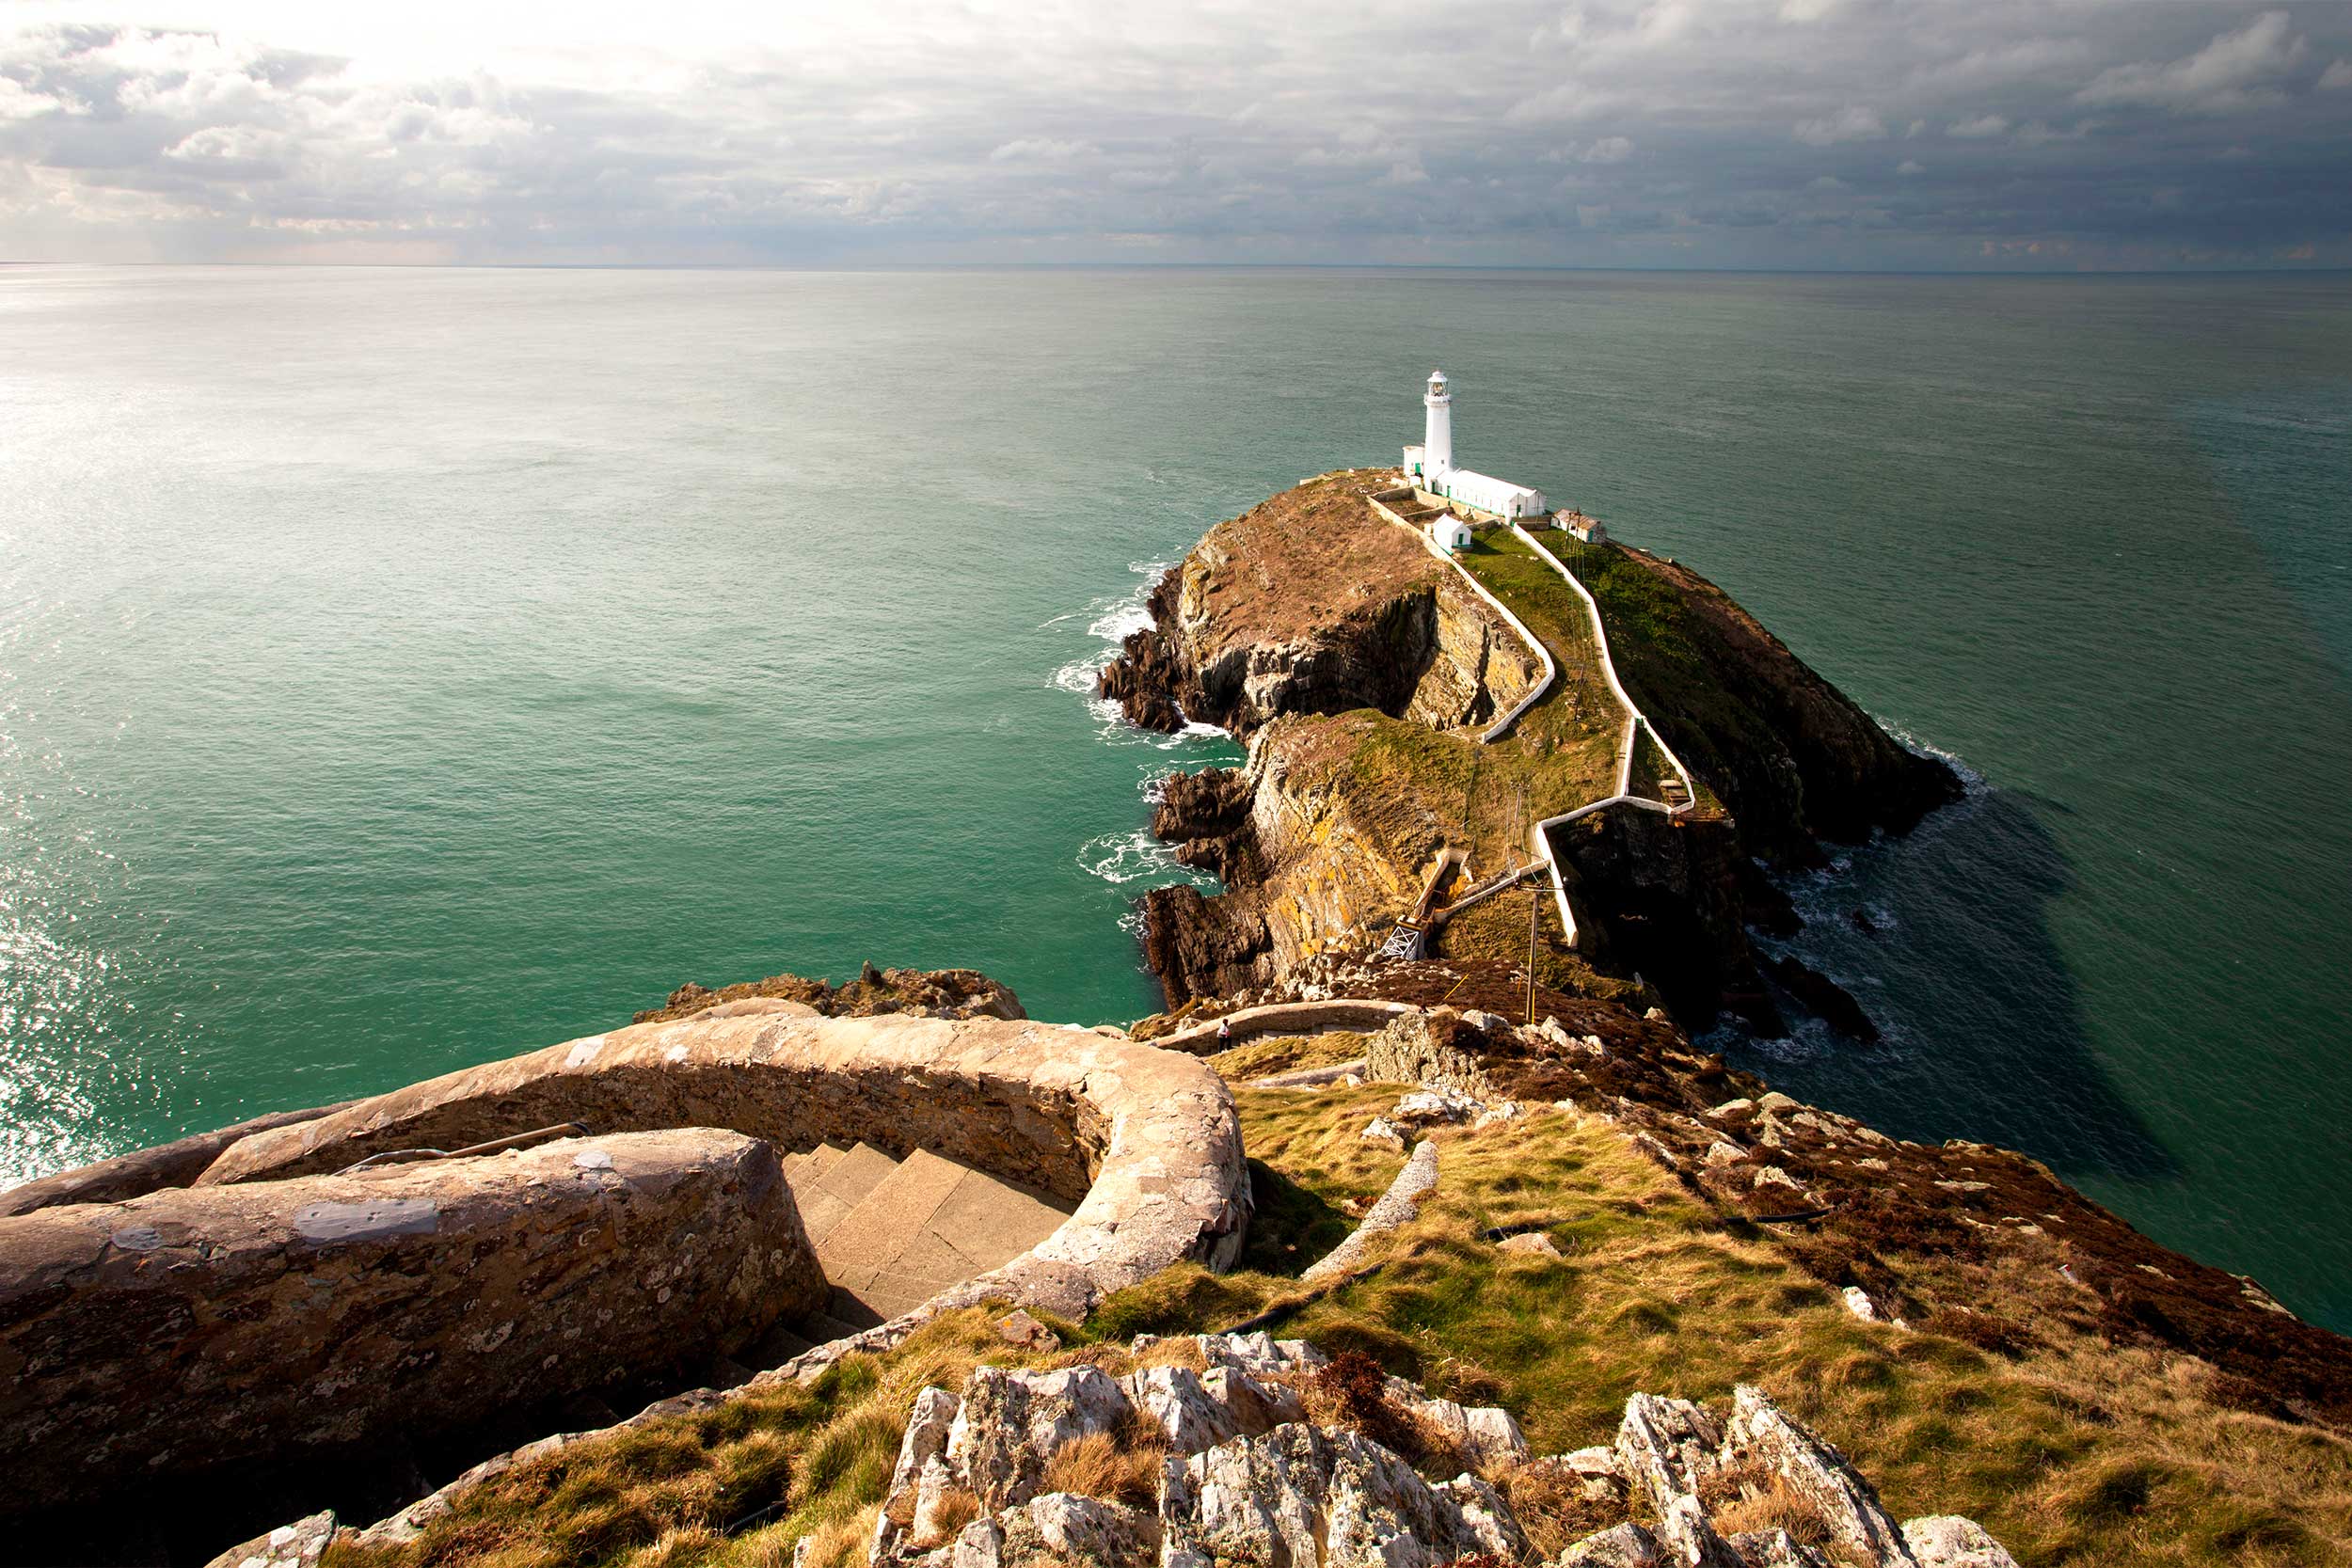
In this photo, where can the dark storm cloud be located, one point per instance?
(1778, 132)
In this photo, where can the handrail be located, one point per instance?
(1501, 726)
(1635, 721)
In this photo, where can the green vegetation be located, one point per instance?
(2070, 1448)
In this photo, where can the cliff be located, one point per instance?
(1360, 669)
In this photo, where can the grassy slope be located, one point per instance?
(2072, 1452)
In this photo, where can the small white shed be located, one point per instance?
(1450, 532)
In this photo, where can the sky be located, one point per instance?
(1817, 134)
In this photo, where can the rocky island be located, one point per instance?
(1415, 1231)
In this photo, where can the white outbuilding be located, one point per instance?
(1430, 465)
(1450, 532)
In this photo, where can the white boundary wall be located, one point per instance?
(1501, 726)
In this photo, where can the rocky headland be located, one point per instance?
(1361, 670)
(1437, 1257)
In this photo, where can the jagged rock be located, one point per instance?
(1433, 1108)
(1017, 1327)
(1175, 1400)
(1012, 1423)
(1777, 1548)
(1379, 1130)
(296, 1545)
(1687, 1540)
(1300, 1496)
(1430, 1047)
(1858, 1302)
(1260, 1355)
(1948, 1541)
(1498, 1115)
(1627, 1545)
(1061, 1528)
(921, 1452)
(1530, 1243)
(1488, 1023)
(1483, 1434)
(1817, 1475)
(1666, 1448)
(334, 1309)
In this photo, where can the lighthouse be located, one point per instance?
(1436, 447)
(1429, 467)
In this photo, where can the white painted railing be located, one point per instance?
(1501, 726)
(1635, 720)
(1635, 723)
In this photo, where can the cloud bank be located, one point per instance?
(1743, 133)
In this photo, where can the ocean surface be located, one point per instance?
(403, 669)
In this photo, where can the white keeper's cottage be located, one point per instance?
(1430, 465)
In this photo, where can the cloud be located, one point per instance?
(921, 130)
(2233, 72)
(1847, 124)
(1040, 149)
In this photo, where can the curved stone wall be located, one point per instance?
(191, 1329)
(1144, 1140)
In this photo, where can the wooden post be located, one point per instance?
(1535, 912)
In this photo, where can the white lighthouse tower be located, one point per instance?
(1436, 445)
(1429, 467)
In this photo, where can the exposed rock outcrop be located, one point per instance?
(1267, 1458)
(1293, 606)
(195, 1327)
(922, 992)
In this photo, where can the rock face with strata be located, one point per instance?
(1355, 617)
(194, 1327)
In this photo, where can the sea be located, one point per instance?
(402, 669)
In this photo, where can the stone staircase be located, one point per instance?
(891, 1234)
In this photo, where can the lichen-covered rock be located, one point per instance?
(1301, 1497)
(1435, 1047)
(1666, 1448)
(1010, 1423)
(299, 1545)
(1948, 1541)
(1626, 1545)
(1687, 1540)
(191, 1327)
(1065, 1529)
(1485, 1434)
(1777, 1548)
(1760, 1434)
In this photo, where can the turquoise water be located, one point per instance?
(400, 669)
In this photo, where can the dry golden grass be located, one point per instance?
(2071, 1450)
(2074, 1451)
(1124, 1468)
(957, 1506)
(1285, 1053)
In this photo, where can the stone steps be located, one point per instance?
(891, 1234)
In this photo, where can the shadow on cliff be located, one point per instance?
(1943, 937)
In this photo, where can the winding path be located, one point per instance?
(1636, 722)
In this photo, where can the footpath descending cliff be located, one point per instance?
(1359, 667)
